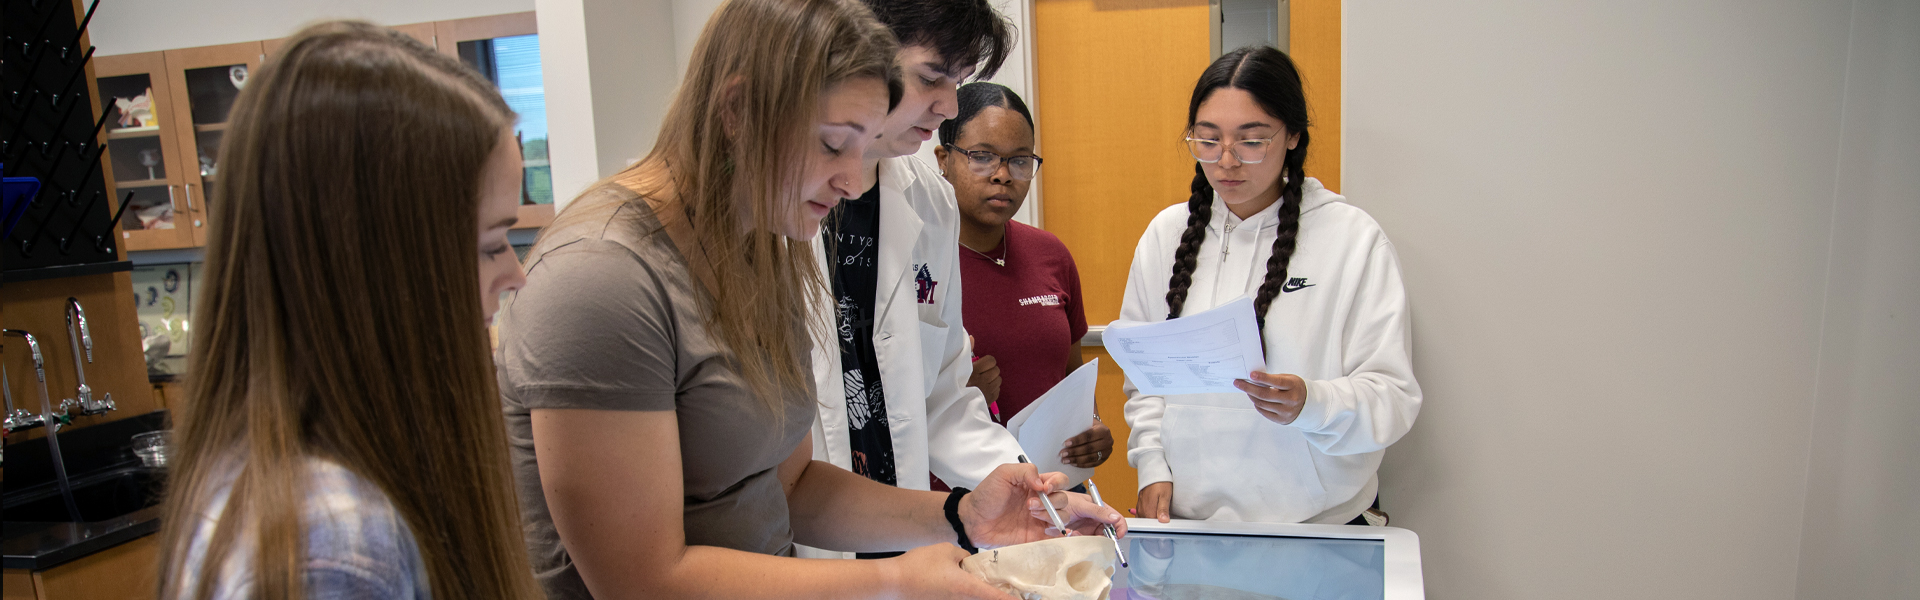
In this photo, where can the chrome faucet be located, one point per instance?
(16, 419)
(80, 340)
(51, 420)
(20, 419)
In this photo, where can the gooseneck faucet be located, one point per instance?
(51, 420)
(79, 339)
(19, 419)
(16, 419)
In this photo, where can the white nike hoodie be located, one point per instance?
(1341, 325)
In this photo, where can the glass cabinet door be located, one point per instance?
(205, 82)
(142, 160)
(505, 49)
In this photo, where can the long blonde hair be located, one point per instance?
(736, 128)
(340, 319)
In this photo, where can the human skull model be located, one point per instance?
(1068, 568)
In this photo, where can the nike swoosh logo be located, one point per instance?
(1295, 285)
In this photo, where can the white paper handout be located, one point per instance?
(1044, 426)
(1201, 353)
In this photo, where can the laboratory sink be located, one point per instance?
(117, 497)
(98, 496)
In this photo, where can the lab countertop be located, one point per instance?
(115, 496)
(41, 546)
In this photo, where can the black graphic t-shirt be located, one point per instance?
(853, 231)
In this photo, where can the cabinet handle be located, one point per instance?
(170, 203)
(189, 187)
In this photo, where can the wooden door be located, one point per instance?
(204, 82)
(143, 162)
(1113, 78)
(1316, 52)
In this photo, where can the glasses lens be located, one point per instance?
(982, 163)
(1022, 167)
(1206, 151)
(1251, 151)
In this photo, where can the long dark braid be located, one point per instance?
(1270, 77)
(1283, 244)
(1199, 212)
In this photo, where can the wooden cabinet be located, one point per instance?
(143, 161)
(129, 570)
(204, 82)
(449, 34)
(169, 112)
(167, 159)
(18, 586)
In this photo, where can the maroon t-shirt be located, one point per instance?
(1026, 314)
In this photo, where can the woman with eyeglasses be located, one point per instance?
(1303, 442)
(1021, 291)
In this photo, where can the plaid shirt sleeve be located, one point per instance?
(358, 546)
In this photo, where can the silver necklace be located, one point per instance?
(1004, 249)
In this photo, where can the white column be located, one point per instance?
(610, 68)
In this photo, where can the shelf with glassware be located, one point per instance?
(169, 110)
(141, 158)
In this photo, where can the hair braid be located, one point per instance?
(1199, 213)
(1283, 244)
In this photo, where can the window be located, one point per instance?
(513, 64)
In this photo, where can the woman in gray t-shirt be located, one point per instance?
(654, 369)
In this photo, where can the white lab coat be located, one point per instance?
(1344, 328)
(937, 423)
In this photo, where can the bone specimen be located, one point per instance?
(1069, 568)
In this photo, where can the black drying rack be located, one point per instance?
(59, 214)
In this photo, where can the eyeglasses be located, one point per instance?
(984, 163)
(1247, 151)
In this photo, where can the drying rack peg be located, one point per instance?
(81, 31)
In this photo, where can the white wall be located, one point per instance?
(608, 86)
(1861, 537)
(1618, 225)
(572, 146)
(129, 27)
(633, 76)
(609, 69)
(689, 19)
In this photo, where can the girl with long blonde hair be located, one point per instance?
(655, 369)
(341, 435)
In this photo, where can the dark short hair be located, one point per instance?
(964, 32)
(975, 97)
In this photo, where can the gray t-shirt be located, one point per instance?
(610, 319)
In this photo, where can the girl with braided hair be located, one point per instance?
(1304, 441)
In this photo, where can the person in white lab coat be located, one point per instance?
(1303, 442)
(894, 402)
